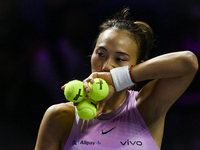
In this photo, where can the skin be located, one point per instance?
(171, 73)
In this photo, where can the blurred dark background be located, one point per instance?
(45, 43)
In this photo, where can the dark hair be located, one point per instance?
(140, 31)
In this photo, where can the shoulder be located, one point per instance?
(55, 126)
(63, 109)
(59, 113)
(60, 117)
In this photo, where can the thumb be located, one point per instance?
(100, 107)
(63, 87)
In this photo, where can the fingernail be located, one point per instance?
(87, 90)
(99, 114)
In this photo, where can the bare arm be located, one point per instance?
(55, 127)
(173, 73)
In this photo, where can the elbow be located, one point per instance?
(189, 62)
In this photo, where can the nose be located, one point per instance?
(107, 66)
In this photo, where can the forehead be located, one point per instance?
(116, 39)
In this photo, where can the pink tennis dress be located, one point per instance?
(121, 129)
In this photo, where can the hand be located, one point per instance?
(62, 88)
(103, 75)
(108, 78)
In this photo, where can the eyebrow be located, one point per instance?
(121, 53)
(102, 48)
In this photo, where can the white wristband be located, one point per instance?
(121, 78)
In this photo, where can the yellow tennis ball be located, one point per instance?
(87, 109)
(98, 90)
(74, 91)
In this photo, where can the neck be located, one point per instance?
(115, 101)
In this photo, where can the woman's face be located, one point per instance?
(114, 48)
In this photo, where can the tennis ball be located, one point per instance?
(74, 91)
(87, 109)
(98, 90)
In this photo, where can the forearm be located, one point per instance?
(166, 66)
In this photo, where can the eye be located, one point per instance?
(120, 59)
(100, 54)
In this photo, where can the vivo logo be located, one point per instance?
(138, 143)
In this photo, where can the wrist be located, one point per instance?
(122, 77)
(131, 75)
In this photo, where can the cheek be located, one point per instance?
(95, 64)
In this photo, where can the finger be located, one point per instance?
(75, 104)
(63, 87)
(100, 109)
(98, 113)
(85, 83)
